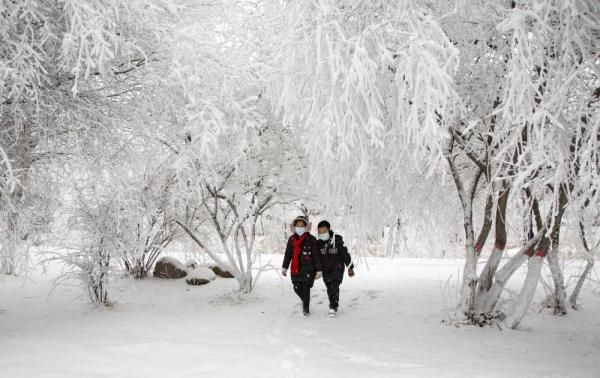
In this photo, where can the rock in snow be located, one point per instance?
(200, 276)
(196, 281)
(221, 273)
(168, 267)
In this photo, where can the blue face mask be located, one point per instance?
(300, 230)
(324, 237)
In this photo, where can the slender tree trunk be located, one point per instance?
(487, 275)
(489, 300)
(230, 268)
(536, 261)
(470, 271)
(487, 225)
(534, 270)
(575, 294)
(22, 166)
(588, 268)
(8, 263)
(558, 298)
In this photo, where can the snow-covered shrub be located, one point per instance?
(89, 262)
(146, 224)
(91, 266)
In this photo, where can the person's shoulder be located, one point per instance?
(311, 238)
(339, 237)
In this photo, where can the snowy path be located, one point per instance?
(388, 326)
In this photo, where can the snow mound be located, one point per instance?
(201, 272)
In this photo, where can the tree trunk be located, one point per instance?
(558, 297)
(9, 253)
(467, 302)
(487, 301)
(588, 267)
(245, 284)
(575, 294)
(535, 262)
(534, 270)
(487, 225)
(487, 275)
(22, 164)
(8, 263)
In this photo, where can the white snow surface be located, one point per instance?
(389, 325)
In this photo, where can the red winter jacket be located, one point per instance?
(306, 261)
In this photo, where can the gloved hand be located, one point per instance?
(284, 272)
(351, 272)
(318, 275)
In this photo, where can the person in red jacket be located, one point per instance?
(303, 255)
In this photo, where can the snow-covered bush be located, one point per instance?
(89, 261)
(146, 224)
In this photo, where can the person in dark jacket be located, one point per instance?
(303, 255)
(334, 258)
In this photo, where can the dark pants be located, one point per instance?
(303, 291)
(333, 292)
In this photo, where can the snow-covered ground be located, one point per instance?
(389, 325)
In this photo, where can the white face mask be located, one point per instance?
(300, 230)
(324, 237)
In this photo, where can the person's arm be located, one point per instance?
(317, 256)
(343, 250)
(287, 257)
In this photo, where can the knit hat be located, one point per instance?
(300, 218)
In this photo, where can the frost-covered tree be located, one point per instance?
(223, 198)
(63, 65)
(505, 92)
(233, 160)
(368, 84)
(526, 132)
(548, 122)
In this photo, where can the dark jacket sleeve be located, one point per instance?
(317, 256)
(289, 252)
(339, 243)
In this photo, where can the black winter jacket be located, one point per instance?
(310, 258)
(334, 256)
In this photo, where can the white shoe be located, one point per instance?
(332, 313)
(305, 314)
